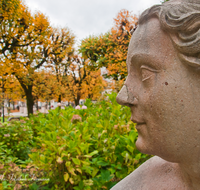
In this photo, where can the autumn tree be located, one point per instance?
(13, 90)
(12, 21)
(82, 82)
(39, 87)
(110, 50)
(50, 91)
(22, 44)
(52, 53)
(62, 41)
(30, 44)
(94, 84)
(10, 90)
(46, 87)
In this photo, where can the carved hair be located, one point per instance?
(181, 19)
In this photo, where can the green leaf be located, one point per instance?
(106, 175)
(85, 163)
(138, 156)
(92, 154)
(34, 187)
(76, 161)
(102, 163)
(95, 171)
(132, 136)
(130, 148)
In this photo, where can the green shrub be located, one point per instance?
(15, 141)
(92, 153)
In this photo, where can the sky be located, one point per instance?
(86, 17)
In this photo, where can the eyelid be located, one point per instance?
(150, 69)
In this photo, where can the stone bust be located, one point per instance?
(162, 90)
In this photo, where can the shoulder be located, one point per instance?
(155, 173)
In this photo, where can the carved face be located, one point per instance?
(163, 95)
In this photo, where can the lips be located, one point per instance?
(138, 123)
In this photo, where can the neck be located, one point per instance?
(190, 172)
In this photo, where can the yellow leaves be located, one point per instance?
(12, 88)
(41, 22)
(71, 170)
(110, 50)
(83, 82)
(88, 182)
(26, 18)
(8, 8)
(124, 21)
(71, 180)
(66, 177)
(59, 160)
(79, 170)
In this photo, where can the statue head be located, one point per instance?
(180, 19)
(163, 83)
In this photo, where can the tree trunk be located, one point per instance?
(76, 102)
(59, 98)
(29, 96)
(90, 96)
(77, 99)
(37, 107)
(29, 100)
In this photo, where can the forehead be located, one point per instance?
(150, 42)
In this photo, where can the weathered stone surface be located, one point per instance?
(163, 92)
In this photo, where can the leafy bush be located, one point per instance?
(95, 152)
(21, 177)
(15, 141)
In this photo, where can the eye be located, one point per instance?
(147, 72)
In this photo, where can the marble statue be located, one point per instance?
(162, 90)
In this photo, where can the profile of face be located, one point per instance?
(163, 94)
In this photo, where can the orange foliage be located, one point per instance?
(62, 42)
(82, 82)
(10, 89)
(27, 44)
(110, 50)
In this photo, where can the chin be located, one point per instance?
(143, 146)
(147, 148)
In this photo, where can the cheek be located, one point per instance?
(164, 105)
(158, 103)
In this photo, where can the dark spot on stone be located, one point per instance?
(175, 87)
(166, 83)
(181, 100)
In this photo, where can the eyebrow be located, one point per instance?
(143, 57)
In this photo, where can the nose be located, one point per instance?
(125, 97)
